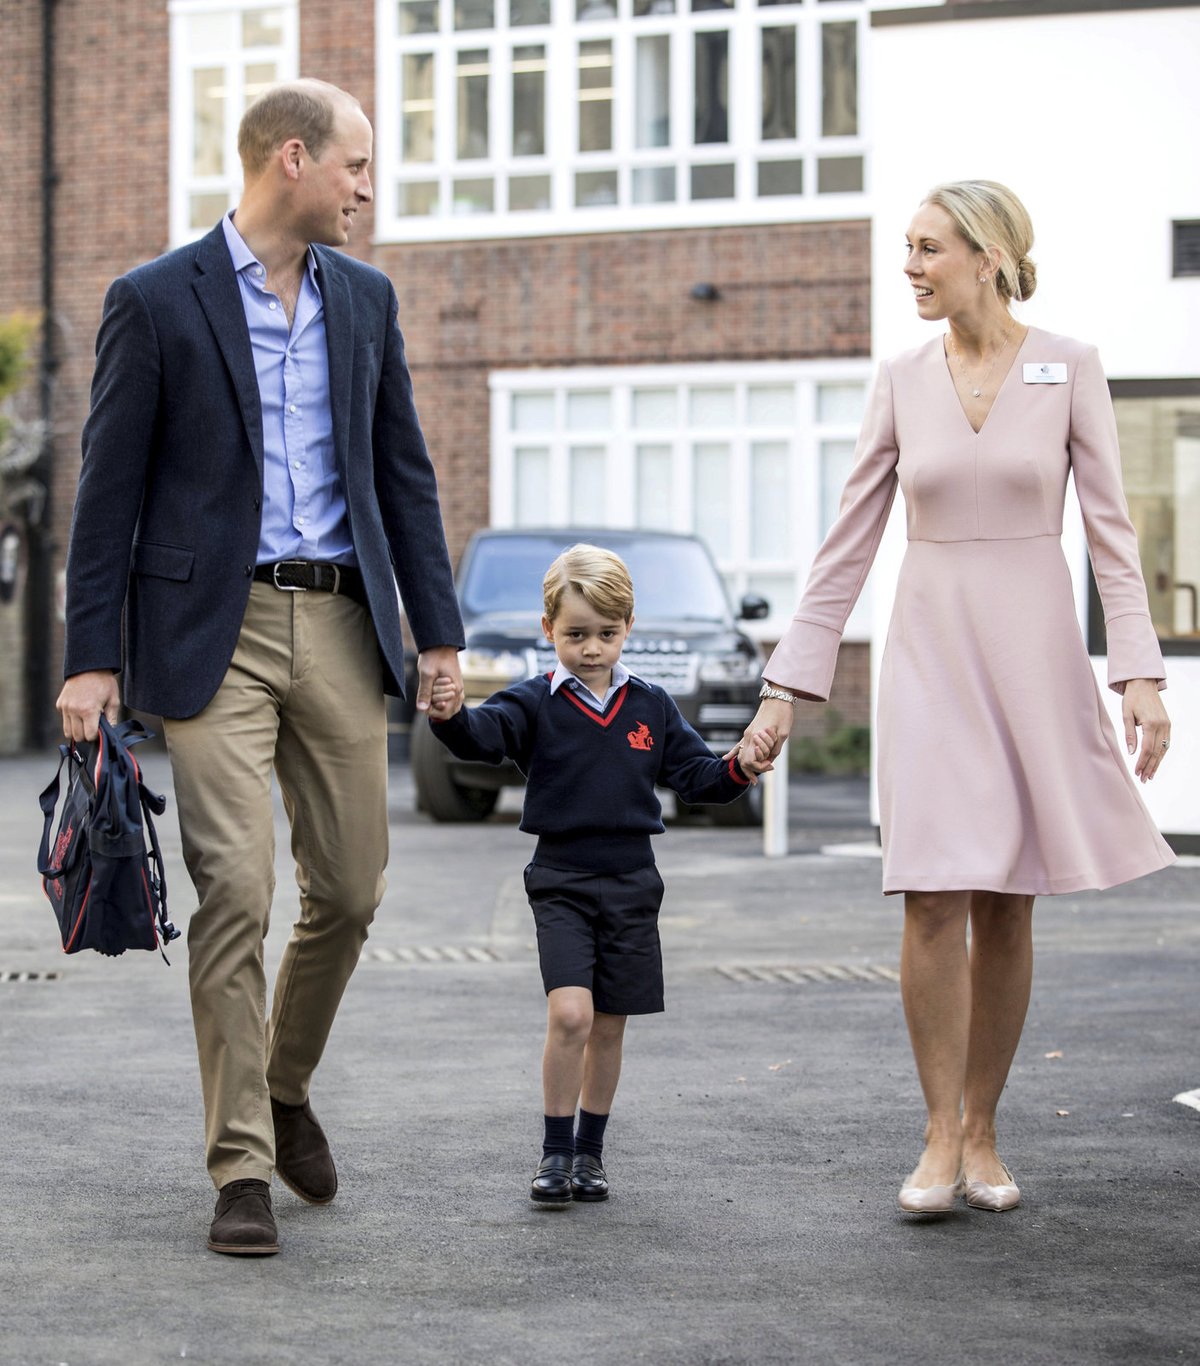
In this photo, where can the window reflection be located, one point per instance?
(839, 80)
(473, 72)
(712, 87)
(595, 96)
(529, 101)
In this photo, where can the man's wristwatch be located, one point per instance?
(777, 693)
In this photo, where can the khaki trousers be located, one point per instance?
(303, 697)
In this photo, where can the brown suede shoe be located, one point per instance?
(244, 1225)
(302, 1158)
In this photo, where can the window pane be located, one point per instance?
(770, 500)
(1160, 460)
(589, 411)
(839, 175)
(417, 106)
(262, 27)
(417, 198)
(474, 196)
(205, 209)
(205, 31)
(710, 497)
(839, 80)
(595, 97)
(654, 184)
(521, 12)
(259, 76)
(654, 407)
(208, 128)
(529, 101)
(641, 8)
(652, 115)
(473, 73)
(417, 16)
(595, 189)
(531, 486)
(595, 9)
(533, 412)
(712, 87)
(698, 5)
(780, 177)
(474, 14)
(713, 408)
(587, 484)
(653, 487)
(528, 192)
(778, 83)
(771, 405)
(840, 403)
(712, 182)
(837, 460)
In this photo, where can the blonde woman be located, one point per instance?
(1000, 778)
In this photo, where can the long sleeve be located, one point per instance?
(498, 729)
(804, 660)
(1133, 648)
(690, 769)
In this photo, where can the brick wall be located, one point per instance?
(786, 292)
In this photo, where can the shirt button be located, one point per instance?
(296, 465)
(291, 407)
(300, 521)
(258, 270)
(272, 305)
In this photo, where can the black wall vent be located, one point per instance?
(1185, 255)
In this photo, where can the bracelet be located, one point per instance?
(777, 693)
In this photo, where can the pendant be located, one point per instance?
(976, 392)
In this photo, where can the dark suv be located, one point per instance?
(684, 638)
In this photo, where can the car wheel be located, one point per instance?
(438, 794)
(742, 814)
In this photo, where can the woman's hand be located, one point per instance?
(775, 718)
(1142, 706)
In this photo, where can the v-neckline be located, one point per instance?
(946, 366)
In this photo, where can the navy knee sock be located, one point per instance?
(560, 1135)
(590, 1138)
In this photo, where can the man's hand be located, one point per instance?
(83, 698)
(440, 662)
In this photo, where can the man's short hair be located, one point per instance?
(304, 109)
(597, 575)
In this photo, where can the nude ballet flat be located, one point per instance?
(996, 1198)
(930, 1199)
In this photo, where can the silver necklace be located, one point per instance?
(976, 391)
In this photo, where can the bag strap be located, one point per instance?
(48, 800)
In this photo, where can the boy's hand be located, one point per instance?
(754, 754)
(445, 700)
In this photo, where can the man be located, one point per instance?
(254, 487)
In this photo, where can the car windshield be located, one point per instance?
(673, 580)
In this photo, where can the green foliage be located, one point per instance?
(17, 332)
(842, 750)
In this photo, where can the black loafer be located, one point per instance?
(588, 1181)
(552, 1181)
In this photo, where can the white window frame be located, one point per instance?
(562, 37)
(184, 60)
(803, 437)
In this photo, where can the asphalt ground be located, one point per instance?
(759, 1137)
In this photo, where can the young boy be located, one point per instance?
(593, 740)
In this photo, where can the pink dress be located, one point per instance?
(998, 767)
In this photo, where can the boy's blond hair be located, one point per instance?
(597, 575)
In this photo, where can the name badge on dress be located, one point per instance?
(1045, 372)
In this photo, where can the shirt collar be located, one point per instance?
(245, 259)
(620, 676)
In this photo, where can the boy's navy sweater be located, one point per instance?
(591, 776)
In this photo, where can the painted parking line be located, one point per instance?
(1191, 1098)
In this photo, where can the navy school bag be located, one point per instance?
(107, 891)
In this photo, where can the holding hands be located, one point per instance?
(446, 698)
(754, 753)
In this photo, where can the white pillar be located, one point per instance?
(775, 807)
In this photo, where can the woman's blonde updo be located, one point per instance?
(991, 218)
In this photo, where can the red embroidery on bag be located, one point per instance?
(61, 845)
(640, 738)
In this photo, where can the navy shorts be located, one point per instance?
(600, 931)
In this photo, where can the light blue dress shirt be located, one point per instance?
(620, 676)
(304, 507)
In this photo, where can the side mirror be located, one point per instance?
(754, 608)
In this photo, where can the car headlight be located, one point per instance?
(484, 671)
(735, 667)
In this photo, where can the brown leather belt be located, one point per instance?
(313, 576)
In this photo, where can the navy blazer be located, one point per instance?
(167, 514)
